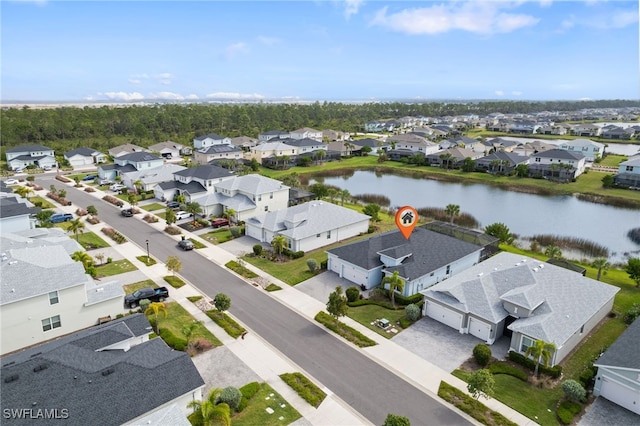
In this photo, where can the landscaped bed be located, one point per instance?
(177, 317)
(115, 268)
(368, 314)
(255, 412)
(153, 207)
(91, 241)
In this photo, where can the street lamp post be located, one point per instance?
(147, 241)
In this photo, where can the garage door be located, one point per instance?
(253, 231)
(336, 265)
(444, 315)
(354, 275)
(480, 329)
(621, 395)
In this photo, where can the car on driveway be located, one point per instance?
(117, 187)
(182, 215)
(217, 223)
(126, 212)
(106, 182)
(173, 205)
(186, 245)
(89, 177)
(60, 217)
(11, 182)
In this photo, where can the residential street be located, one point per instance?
(362, 383)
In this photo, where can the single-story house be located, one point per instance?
(455, 155)
(170, 149)
(501, 162)
(16, 213)
(523, 299)
(31, 155)
(345, 148)
(127, 148)
(84, 157)
(425, 259)
(308, 226)
(244, 142)
(618, 378)
(377, 146)
(97, 377)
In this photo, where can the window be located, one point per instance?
(53, 298)
(259, 197)
(537, 159)
(271, 195)
(317, 235)
(51, 323)
(328, 234)
(629, 168)
(448, 269)
(266, 208)
(525, 343)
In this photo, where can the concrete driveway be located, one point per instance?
(242, 245)
(320, 286)
(605, 413)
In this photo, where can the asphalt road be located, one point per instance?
(365, 385)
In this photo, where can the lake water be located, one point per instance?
(524, 214)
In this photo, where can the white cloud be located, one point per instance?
(476, 17)
(516, 93)
(236, 49)
(269, 41)
(234, 95)
(499, 92)
(166, 95)
(123, 96)
(192, 97)
(351, 7)
(616, 19)
(134, 81)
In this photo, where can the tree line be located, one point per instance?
(103, 127)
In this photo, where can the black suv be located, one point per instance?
(185, 245)
(126, 212)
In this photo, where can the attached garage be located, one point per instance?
(480, 329)
(253, 231)
(348, 271)
(622, 395)
(444, 315)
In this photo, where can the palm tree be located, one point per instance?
(279, 243)
(133, 200)
(23, 191)
(138, 186)
(395, 282)
(446, 160)
(553, 252)
(155, 308)
(229, 214)
(77, 227)
(344, 194)
(212, 413)
(452, 210)
(542, 352)
(320, 155)
(83, 257)
(603, 266)
(188, 329)
(194, 208)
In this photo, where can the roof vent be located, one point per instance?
(11, 378)
(541, 266)
(480, 274)
(39, 368)
(108, 371)
(99, 289)
(518, 264)
(13, 262)
(535, 269)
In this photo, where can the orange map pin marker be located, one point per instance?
(406, 220)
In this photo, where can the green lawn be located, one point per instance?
(153, 207)
(612, 160)
(161, 215)
(149, 261)
(115, 268)
(45, 204)
(291, 272)
(367, 314)
(197, 244)
(256, 414)
(177, 317)
(217, 237)
(130, 288)
(63, 225)
(91, 240)
(174, 281)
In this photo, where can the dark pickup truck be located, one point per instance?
(153, 294)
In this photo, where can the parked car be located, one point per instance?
(11, 182)
(60, 217)
(153, 294)
(217, 223)
(186, 245)
(89, 177)
(116, 187)
(46, 168)
(106, 182)
(126, 212)
(18, 170)
(182, 215)
(173, 205)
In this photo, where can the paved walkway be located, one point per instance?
(267, 362)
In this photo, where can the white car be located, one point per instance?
(11, 182)
(116, 187)
(106, 182)
(182, 215)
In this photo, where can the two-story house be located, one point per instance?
(557, 164)
(413, 143)
(590, 149)
(629, 173)
(16, 213)
(272, 149)
(306, 133)
(192, 182)
(45, 294)
(135, 161)
(217, 152)
(305, 145)
(31, 155)
(272, 135)
(80, 157)
(588, 130)
(210, 140)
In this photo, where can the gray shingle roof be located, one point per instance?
(87, 152)
(205, 171)
(99, 387)
(39, 237)
(308, 219)
(429, 251)
(191, 187)
(623, 352)
(301, 142)
(213, 136)
(12, 206)
(99, 291)
(561, 154)
(29, 148)
(565, 300)
(219, 149)
(139, 156)
(252, 184)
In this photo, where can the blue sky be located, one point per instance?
(318, 50)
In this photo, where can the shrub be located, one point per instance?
(247, 391)
(62, 179)
(235, 231)
(89, 189)
(312, 264)
(31, 178)
(482, 354)
(304, 387)
(113, 200)
(632, 313)
(149, 218)
(93, 220)
(415, 299)
(109, 259)
(396, 420)
(114, 235)
(81, 212)
(257, 249)
(323, 264)
(239, 269)
(231, 396)
(412, 312)
(573, 391)
(172, 230)
(567, 411)
(500, 367)
(173, 341)
(553, 372)
(227, 323)
(144, 304)
(352, 293)
(586, 377)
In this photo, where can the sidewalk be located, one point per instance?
(254, 351)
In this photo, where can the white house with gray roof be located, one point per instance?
(618, 378)
(272, 149)
(590, 149)
(308, 226)
(557, 164)
(192, 182)
(30, 155)
(97, 376)
(423, 260)
(84, 157)
(629, 172)
(210, 140)
(306, 133)
(44, 293)
(523, 299)
(16, 213)
(217, 152)
(306, 145)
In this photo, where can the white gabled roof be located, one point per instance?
(252, 184)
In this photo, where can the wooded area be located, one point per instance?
(103, 127)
